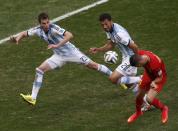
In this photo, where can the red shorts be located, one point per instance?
(146, 81)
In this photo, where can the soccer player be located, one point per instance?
(119, 37)
(64, 52)
(153, 80)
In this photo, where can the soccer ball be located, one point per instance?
(111, 57)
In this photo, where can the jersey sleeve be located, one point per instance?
(156, 67)
(158, 72)
(33, 31)
(124, 38)
(58, 30)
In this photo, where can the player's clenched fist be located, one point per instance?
(14, 39)
(52, 46)
(93, 50)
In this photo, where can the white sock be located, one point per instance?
(135, 88)
(104, 69)
(35, 91)
(129, 80)
(37, 83)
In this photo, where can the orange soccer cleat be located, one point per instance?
(134, 117)
(165, 114)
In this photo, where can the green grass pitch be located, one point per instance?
(74, 98)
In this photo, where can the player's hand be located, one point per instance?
(52, 46)
(93, 50)
(13, 39)
(153, 84)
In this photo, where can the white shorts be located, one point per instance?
(126, 69)
(58, 61)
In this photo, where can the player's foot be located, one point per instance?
(28, 99)
(123, 86)
(165, 114)
(147, 108)
(134, 117)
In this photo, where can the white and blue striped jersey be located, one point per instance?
(54, 36)
(121, 38)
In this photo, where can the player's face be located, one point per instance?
(107, 25)
(45, 24)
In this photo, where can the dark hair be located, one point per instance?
(134, 60)
(105, 16)
(42, 16)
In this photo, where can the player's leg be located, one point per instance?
(139, 102)
(49, 64)
(99, 67)
(79, 57)
(37, 83)
(126, 74)
(115, 77)
(44, 67)
(151, 98)
(122, 77)
(145, 82)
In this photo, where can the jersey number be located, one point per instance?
(125, 66)
(84, 58)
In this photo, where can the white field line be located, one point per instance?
(63, 16)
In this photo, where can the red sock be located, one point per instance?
(139, 102)
(157, 103)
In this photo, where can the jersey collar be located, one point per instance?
(112, 28)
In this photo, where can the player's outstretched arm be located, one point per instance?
(134, 47)
(67, 37)
(108, 46)
(19, 37)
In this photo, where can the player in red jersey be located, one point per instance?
(153, 79)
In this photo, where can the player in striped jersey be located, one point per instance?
(64, 51)
(119, 37)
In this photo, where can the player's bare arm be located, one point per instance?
(134, 47)
(19, 37)
(157, 80)
(108, 46)
(67, 37)
(58, 39)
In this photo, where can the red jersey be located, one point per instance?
(155, 67)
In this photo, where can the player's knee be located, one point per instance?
(38, 69)
(113, 79)
(44, 67)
